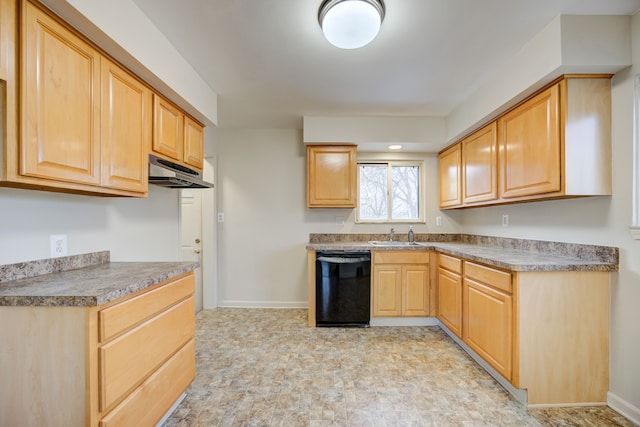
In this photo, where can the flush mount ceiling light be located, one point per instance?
(350, 24)
(395, 147)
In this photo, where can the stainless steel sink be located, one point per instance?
(392, 243)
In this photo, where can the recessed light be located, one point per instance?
(395, 147)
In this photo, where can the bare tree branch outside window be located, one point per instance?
(389, 192)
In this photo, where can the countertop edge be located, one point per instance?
(562, 264)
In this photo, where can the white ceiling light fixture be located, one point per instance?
(350, 24)
(395, 147)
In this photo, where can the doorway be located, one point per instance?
(197, 238)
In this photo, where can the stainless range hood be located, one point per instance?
(172, 175)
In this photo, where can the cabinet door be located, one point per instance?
(415, 287)
(168, 128)
(488, 325)
(529, 140)
(449, 162)
(125, 129)
(193, 143)
(450, 300)
(331, 176)
(60, 102)
(479, 166)
(7, 38)
(387, 290)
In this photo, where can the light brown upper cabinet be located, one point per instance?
(450, 180)
(7, 29)
(555, 144)
(126, 130)
(61, 102)
(479, 161)
(176, 136)
(331, 176)
(84, 121)
(558, 143)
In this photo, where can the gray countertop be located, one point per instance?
(90, 285)
(502, 257)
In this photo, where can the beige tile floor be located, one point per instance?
(265, 367)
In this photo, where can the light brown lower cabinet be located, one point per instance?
(121, 364)
(544, 332)
(449, 297)
(400, 285)
(488, 316)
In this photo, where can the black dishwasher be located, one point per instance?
(343, 288)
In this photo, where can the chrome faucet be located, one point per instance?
(391, 232)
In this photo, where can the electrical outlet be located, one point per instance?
(505, 220)
(220, 216)
(339, 220)
(438, 221)
(58, 245)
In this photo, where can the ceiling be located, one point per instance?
(270, 64)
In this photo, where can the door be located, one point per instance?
(479, 165)
(60, 102)
(387, 290)
(191, 236)
(125, 129)
(449, 162)
(529, 144)
(450, 300)
(415, 295)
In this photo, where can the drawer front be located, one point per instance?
(118, 318)
(450, 263)
(401, 257)
(127, 360)
(487, 275)
(149, 402)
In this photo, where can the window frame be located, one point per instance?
(421, 192)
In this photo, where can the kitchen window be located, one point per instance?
(390, 192)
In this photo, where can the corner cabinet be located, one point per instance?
(124, 363)
(77, 122)
(400, 284)
(555, 144)
(176, 136)
(546, 332)
(331, 176)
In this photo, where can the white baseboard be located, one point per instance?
(263, 304)
(404, 321)
(624, 408)
(172, 409)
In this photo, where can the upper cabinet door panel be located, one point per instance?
(126, 129)
(479, 166)
(60, 107)
(168, 129)
(7, 38)
(449, 162)
(331, 176)
(529, 139)
(193, 143)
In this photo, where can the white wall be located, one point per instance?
(132, 229)
(262, 192)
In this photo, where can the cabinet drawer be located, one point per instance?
(401, 257)
(450, 263)
(149, 402)
(118, 318)
(127, 360)
(490, 276)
